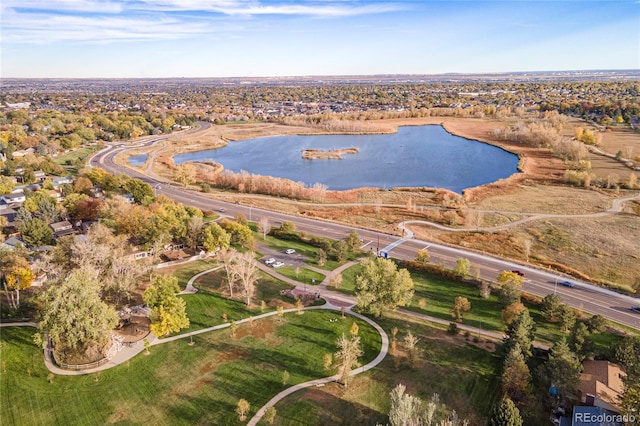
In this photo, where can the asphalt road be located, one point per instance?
(589, 298)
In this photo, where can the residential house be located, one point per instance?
(11, 243)
(58, 181)
(39, 175)
(7, 212)
(14, 198)
(60, 229)
(601, 385)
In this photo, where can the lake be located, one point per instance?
(415, 156)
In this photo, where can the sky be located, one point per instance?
(262, 38)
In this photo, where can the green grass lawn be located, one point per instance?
(176, 384)
(438, 295)
(465, 377)
(304, 276)
(186, 271)
(207, 307)
(78, 154)
(306, 250)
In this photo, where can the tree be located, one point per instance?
(263, 226)
(380, 286)
(242, 409)
(168, 311)
(346, 359)
(509, 294)
(405, 408)
(185, 174)
(73, 315)
(411, 345)
(515, 374)
(506, 414)
(562, 370)
(520, 332)
(270, 415)
(580, 342)
(510, 277)
(229, 258)
(422, 256)
(215, 238)
(463, 266)
(511, 312)
(36, 232)
(321, 257)
(567, 317)
(247, 274)
(353, 240)
(194, 231)
(551, 304)
(16, 275)
(596, 324)
(461, 305)
(141, 191)
(240, 234)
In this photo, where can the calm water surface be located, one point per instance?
(415, 156)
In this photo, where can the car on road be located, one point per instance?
(568, 284)
(277, 264)
(221, 210)
(269, 261)
(518, 272)
(636, 309)
(289, 251)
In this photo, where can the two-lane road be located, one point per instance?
(583, 295)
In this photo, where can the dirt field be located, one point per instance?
(603, 249)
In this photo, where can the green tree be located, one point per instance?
(596, 324)
(353, 240)
(240, 234)
(515, 374)
(551, 307)
(36, 233)
(380, 286)
(168, 311)
(506, 414)
(567, 317)
(520, 332)
(580, 342)
(141, 191)
(509, 294)
(215, 238)
(463, 266)
(562, 370)
(73, 315)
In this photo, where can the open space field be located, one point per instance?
(177, 383)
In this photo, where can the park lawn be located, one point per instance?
(439, 293)
(465, 376)
(207, 307)
(177, 384)
(77, 154)
(187, 270)
(304, 276)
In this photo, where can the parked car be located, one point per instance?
(277, 264)
(289, 251)
(269, 261)
(635, 309)
(567, 284)
(518, 272)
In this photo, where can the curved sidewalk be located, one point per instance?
(384, 349)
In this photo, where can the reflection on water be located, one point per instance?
(416, 156)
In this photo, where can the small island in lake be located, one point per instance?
(316, 154)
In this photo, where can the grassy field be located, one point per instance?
(177, 383)
(435, 295)
(75, 155)
(464, 375)
(306, 250)
(304, 276)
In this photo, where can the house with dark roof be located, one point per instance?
(12, 243)
(60, 229)
(13, 198)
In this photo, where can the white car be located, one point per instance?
(269, 261)
(289, 251)
(277, 264)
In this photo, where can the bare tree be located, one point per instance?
(228, 259)
(247, 273)
(194, 231)
(346, 358)
(264, 226)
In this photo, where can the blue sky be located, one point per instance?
(233, 38)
